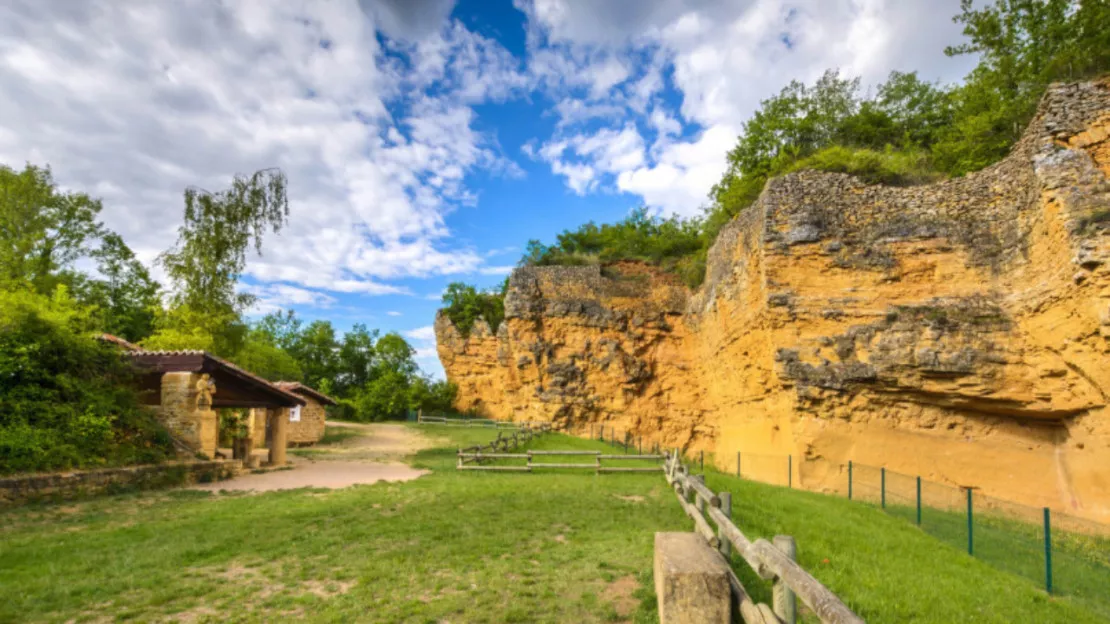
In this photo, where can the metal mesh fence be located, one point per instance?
(1073, 560)
(1063, 554)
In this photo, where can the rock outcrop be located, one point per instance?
(960, 331)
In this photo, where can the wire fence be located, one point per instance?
(1065, 554)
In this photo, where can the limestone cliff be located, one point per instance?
(960, 331)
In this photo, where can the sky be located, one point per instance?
(424, 141)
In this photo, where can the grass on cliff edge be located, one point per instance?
(462, 547)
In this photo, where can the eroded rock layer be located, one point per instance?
(959, 331)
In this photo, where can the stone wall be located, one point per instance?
(310, 428)
(79, 484)
(957, 330)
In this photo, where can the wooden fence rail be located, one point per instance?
(500, 447)
(476, 455)
(475, 422)
(769, 561)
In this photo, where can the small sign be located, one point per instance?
(295, 414)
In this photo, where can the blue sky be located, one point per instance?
(425, 141)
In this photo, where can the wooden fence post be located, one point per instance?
(698, 501)
(726, 508)
(784, 604)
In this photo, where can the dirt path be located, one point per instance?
(374, 453)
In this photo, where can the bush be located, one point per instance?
(465, 304)
(66, 400)
(890, 166)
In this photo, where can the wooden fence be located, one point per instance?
(502, 445)
(472, 458)
(774, 562)
(474, 422)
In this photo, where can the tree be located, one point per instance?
(280, 328)
(316, 349)
(125, 301)
(267, 360)
(1022, 45)
(357, 358)
(210, 254)
(464, 305)
(42, 230)
(66, 400)
(219, 229)
(394, 354)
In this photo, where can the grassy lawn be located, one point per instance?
(552, 546)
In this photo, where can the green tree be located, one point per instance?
(356, 359)
(1022, 45)
(125, 301)
(317, 351)
(280, 328)
(267, 360)
(211, 252)
(66, 400)
(42, 230)
(464, 305)
(432, 395)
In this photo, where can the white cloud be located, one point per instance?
(393, 313)
(135, 101)
(723, 57)
(424, 343)
(605, 151)
(277, 297)
(421, 333)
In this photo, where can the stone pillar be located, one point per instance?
(198, 428)
(257, 426)
(279, 425)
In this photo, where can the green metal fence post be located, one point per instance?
(970, 537)
(849, 479)
(701, 461)
(789, 471)
(919, 501)
(738, 463)
(1047, 550)
(882, 486)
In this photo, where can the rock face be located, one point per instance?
(959, 331)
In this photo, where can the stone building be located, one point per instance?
(306, 424)
(185, 388)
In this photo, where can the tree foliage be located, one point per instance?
(464, 305)
(66, 400)
(374, 376)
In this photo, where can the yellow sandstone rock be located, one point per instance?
(959, 331)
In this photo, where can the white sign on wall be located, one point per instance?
(295, 414)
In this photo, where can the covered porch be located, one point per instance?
(186, 388)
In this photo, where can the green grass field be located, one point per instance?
(553, 546)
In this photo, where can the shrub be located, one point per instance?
(66, 400)
(465, 304)
(892, 167)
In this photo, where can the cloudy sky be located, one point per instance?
(425, 141)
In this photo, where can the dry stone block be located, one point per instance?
(691, 580)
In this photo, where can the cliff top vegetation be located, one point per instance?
(908, 131)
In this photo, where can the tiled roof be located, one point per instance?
(232, 368)
(298, 387)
